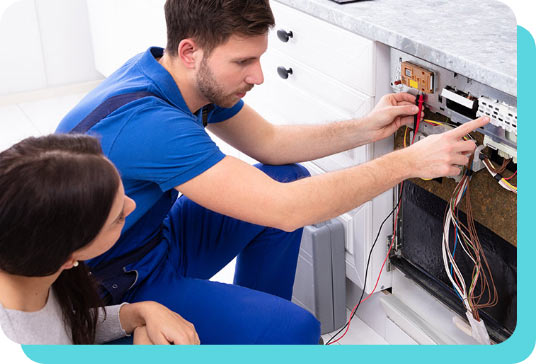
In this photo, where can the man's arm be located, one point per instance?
(272, 144)
(236, 189)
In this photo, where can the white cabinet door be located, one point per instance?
(121, 29)
(338, 53)
(22, 66)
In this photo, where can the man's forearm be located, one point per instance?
(300, 143)
(323, 197)
(236, 189)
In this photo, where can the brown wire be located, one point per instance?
(498, 170)
(484, 279)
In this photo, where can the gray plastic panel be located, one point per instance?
(319, 286)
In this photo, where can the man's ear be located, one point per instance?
(188, 52)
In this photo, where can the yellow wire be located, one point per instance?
(440, 123)
(434, 122)
(508, 183)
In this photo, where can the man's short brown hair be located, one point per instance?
(211, 22)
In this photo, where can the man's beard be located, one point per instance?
(212, 91)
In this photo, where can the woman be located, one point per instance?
(61, 203)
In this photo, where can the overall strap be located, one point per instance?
(114, 103)
(106, 108)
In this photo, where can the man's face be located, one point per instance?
(231, 70)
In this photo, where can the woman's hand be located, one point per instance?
(162, 326)
(141, 337)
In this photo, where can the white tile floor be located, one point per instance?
(359, 333)
(35, 117)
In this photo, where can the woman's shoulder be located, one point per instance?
(43, 327)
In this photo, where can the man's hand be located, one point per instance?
(161, 325)
(389, 114)
(441, 155)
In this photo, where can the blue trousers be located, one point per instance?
(256, 309)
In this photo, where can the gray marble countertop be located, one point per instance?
(477, 39)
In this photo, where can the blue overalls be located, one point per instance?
(191, 244)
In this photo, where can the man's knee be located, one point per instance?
(284, 173)
(292, 325)
(307, 328)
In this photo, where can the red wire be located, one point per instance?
(421, 100)
(512, 176)
(381, 270)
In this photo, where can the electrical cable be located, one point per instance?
(420, 102)
(470, 244)
(347, 325)
(496, 173)
(481, 278)
(512, 176)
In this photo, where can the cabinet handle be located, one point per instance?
(283, 72)
(283, 35)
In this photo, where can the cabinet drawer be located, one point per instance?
(282, 102)
(346, 159)
(294, 105)
(310, 80)
(345, 56)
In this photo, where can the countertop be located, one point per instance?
(477, 39)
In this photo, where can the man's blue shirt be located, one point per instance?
(156, 143)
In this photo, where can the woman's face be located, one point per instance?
(110, 232)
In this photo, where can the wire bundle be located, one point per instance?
(334, 338)
(497, 173)
(482, 279)
(482, 284)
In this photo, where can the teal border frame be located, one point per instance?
(517, 348)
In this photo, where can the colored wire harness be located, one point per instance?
(496, 173)
(482, 284)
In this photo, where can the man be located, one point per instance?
(149, 115)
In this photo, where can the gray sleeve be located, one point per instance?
(109, 328)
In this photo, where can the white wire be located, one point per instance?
(501, 182)
(447, 255)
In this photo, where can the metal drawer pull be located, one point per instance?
(283, 72)
(283, 35)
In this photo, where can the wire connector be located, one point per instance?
(478, 329)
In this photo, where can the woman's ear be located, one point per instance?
(71, 262)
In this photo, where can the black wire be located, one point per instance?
(366, 269)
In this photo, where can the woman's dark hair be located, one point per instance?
(211, 22)
(56, 193)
